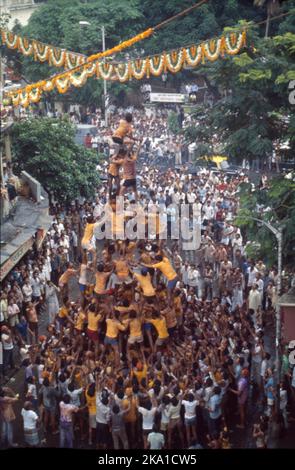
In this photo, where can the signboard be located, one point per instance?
(15, 257)
(167, 97)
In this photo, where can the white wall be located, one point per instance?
(20, 10)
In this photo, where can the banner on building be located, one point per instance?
(167, 97)
(15, 257)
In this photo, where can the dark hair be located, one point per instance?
(92, 308)
(46, 382)
(90, 219)
(67, 399)
(148, 405)
(190, 397)
(120, 394)
(116, 409)
(91, 390)
(132, 314)
(71, 387)
(174, 401)
(105, 400)
(128, 117)
(166, 400)
(100, 267)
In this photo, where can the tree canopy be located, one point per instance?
(252, 109)
(47, 150)
(275, 205)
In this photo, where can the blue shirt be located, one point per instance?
(269, 384)
(215, 406)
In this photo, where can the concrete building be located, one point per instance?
(24, 209)
(287, 303)
(19, 10)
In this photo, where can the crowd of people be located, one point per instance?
(130, 344)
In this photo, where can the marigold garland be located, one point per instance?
(172, 61)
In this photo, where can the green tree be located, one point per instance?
(275, 205)
(57, 23)
(272, 8)
(46, 149)
(173, 123)
(251, 109)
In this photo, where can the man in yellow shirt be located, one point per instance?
(114, 326)
(90, 395)
(87, 242)
(93, 318)
(145, 282)
(159, 322)
(64, 279)
(135, 332)
(63, 315)
(163, 264)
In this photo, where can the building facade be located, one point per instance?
(19, 10)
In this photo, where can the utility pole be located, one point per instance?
(105, 95)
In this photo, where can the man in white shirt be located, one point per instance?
(156, 440)
(208, 211)
(194, 278)
(251, 275)
(148, 415)
(260, 285)
(191, 197)
(36, 287)
(30, 420)
(7, 345)
(66, 437)
(103, 416)
(27, 291)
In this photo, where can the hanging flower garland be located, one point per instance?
(25, 47)
(35, 95)
(174, 61)
(48, 85)
(193, 55)
(234, 43)
(62, 84)
(105, 70)
(212, 49)
(72, 60)
(156, 65)
(57, 57)
(41, 51)
(122, 71)
(12, 40)
(138, 68)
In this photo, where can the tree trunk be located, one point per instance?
(267, 25)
